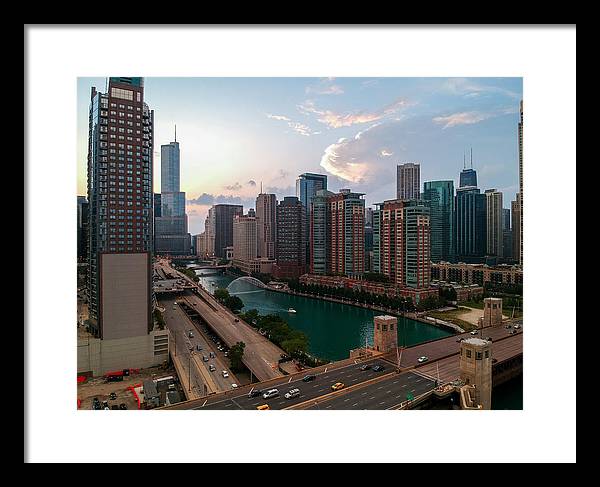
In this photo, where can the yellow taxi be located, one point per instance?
(263, 407)
(337, 386)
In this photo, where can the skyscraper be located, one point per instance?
(307, 186)
(470, 225)
(223, 224)
(408, 181)
(468, 176)
(515, 207)
(244, 238)
(521, 183)
(82, 227)
(290, 251)
(266, 214)
(209, 230)
(494, 223)
(171, 228)
(121, 210)
(401, 234)
(507, 251)
(346, 211)
(439, 195)
(320, 236)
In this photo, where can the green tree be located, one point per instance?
(221, 294)
(234, 303)
(236, 354)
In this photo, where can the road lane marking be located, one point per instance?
(354, 404)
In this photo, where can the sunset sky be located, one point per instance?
(235, 133)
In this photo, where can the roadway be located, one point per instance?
(261, 356)
(180, 325)
(350, 375)
(441, 348)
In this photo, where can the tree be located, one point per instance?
(221, 294)
(234, 303)
(236, 354)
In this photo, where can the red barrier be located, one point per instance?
(78, 403)
(137, 398)
(81, 379)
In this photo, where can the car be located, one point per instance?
(459, 340)
(190, 334)
(474, 332)
(508, 327)
(226, 354)
(211, 354)
(234, 386)
(378, 368)
(104, 404)
(236, 320)
(422, 359)
(212, 368)
(204, 358)
(263, 407)
(365, 367)
(122, 406)
(489, 339)
(106, 408)
(517, 326)
(512, 332)
(292, 393)
(225, 374)
(337, 386)
(254, 393)
(270, 393)
(112, 396)
(308, 378)
(198, 348)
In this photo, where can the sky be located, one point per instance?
(236, 133)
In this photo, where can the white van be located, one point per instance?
(271, 393)
(292, 393)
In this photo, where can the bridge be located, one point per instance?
(249, 280)
(402, 384)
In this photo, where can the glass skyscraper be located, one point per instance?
(470, 225)
(439, 195)
(307, 186)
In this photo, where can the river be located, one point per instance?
(333, 329)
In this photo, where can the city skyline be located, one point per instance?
(236, 133)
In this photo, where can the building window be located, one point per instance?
(468, 353)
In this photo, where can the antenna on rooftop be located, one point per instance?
(175, 132)
(471, 157)
(464, 160)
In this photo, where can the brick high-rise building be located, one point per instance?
(121, 209)
(266, 215)
(337, 233)
(401, 242)
(520, 199)
(290, 250)
(408, 183)
(347, 229)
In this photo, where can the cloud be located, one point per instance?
(337, 120)
(277, 117)
(297, 127)
(385, 153)
(251, 183)
(325, 87)
(234, 187)
(356, 159)
(470, 88)
(207, 199)
(461, 118)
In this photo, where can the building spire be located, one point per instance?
(464, 159)
(175, 132)
(471, 157)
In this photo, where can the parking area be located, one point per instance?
(117, 393)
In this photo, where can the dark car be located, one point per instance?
(236, 320)
(378, 368)
(122, 406)
(105, 404)
(365, 367)
(254, 393)
(308, 378)
(489, 339)
(112, 396)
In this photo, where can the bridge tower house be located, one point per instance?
(385, 333)
(476, 368)
(492, 311)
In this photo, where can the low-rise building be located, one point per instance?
(476, 273)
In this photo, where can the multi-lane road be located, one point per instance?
(180, 326)
(373, 390)
(261, 356)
